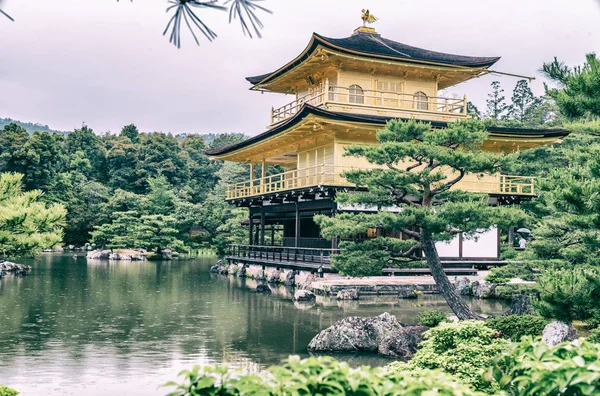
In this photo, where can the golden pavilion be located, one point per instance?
(345, 90)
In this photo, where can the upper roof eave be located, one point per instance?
(308, 109)
(377, 47)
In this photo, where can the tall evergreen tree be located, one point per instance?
(524, 104)
(473, 111)
(496, 104)
(419, 167)
(576, 90)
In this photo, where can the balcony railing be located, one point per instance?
(329, 175)
(379, 100)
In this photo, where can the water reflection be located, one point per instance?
(74, 326)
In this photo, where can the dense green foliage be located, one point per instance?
(30, 127)
(27, 224)
(316, 376)
(568, 295)
(129, 190)
(432, 317)
(577, 90)
(510, 290)
(464, 350)
(6, 391)
(513, 270)
(514, 327)
(534, 368)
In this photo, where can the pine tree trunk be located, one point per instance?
(448, 290)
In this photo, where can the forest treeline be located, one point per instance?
(129, 189)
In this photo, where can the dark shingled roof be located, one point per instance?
(308, 109)
(374, 45)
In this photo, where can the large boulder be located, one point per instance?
(355, 334)
(403, 343)
(556, 332)
(304, 295)
(166, 254)
(290, 278)
(463, 285)
(483, 289)
(242, 272)
(99, 254)
(307, 283)
(217, 268)
(348, 294)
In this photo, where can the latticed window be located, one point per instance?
(421, 101)
(356, 94)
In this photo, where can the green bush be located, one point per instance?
(316, 376)
(568, 295)
(594, 336)
(432, 317)
(514, 327)
(6, 391)
(534, 368)
(513, 270)
(511, 290)
(464, 350)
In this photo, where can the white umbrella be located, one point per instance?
(524, 230)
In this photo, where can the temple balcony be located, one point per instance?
(333, 176)
(353, 99)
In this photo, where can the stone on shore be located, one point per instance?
(484, 289)
(348, 294)
(290, 278)
(307, 283)
(125, 255)
(217, 268)
(274, 276)
(304, 295)
(521, 305)
(355, 334)
(463, 285)
(19, 270)
(403, 343)
(242, 271)
(556, 332)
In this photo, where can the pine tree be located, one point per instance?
(524, 104)
(27, 225)
(496, 104)
(577, 91)
(473, 111)
(419, 166)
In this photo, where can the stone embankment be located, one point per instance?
(288, 277)
(130, 255)
(7, 267)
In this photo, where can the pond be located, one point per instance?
(75, 327)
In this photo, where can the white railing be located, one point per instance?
(330, 175)
(325, 94)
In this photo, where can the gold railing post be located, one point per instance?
(465, 104)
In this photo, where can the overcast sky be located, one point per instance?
(105, 63)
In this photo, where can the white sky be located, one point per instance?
(65, 62)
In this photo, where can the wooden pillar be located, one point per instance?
(252, 190)
(262, 226)
(263, 174)
(297, 244)
(250, 229)
(334, 240)
(272, 234)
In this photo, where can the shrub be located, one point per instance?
(514, 327)
(510, 291)
(534, 368)
(514, 270)
(464, 350)
(6, 391)
(316, 376)
(568, 295)
(594, 336)
(432, 317)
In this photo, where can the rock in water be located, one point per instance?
(348, 294)
(242, 272)
(304, 295)
(403, 343)
(556, 332)
(355, 334)
(307, 284)
(217, 268)
(408, 292)
(262, 288)
(521, 305)
(290, 278)
(166, 254)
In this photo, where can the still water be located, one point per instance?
(74, 327)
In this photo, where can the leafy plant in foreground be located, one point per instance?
(464, 350)
(514, 327)
(317, 376)
(432, 317)
(6, 391)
